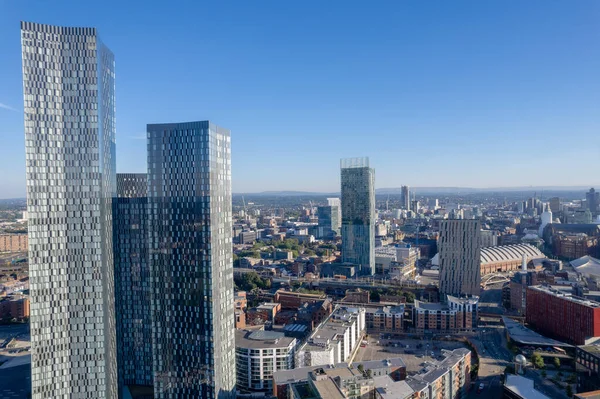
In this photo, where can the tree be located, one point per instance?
(537, 361)
(544, 374)
(375, 296)
(569, 390)
(361, 368)
(556, 362)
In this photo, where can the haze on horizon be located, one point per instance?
(457, 94)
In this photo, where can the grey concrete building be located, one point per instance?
(132, 282)
(69, 107)
(358, 214)
(405, 197)
(460, 253)
(189, 202)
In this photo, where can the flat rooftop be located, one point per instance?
(260, 339)
(522, 387)
(567, 296)
(526, 336)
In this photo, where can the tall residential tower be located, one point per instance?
(460, 251)
(132, 282)
(69, 104)
(358, 214)
(190, 227)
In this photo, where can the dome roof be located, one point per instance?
(521, 360)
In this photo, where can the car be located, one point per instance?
(481, 386)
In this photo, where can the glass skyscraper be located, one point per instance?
(132, 282)
(190, 227)
(68, 87)
(358, 214)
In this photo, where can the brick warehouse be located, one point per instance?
(562, 316)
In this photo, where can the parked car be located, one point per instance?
(481, 386)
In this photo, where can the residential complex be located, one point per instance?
(457, 314)
(69, 107)
(258, 354)
(459, 249)
(335, 339)
(587, 365)
(13, 242)
(446, 378)
(562, 315)
(358, 214)
(189, 203)
(132, 281)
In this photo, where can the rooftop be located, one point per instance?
(564, 295)
(522, 387)
(525, 336)
(390, 389)
(587, 265)
(261, 339)
(509, 252)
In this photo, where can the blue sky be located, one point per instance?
(436, 93)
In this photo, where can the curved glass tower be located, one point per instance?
(68, 87)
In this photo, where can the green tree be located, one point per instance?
(375, 296)
(556, 362)
(537, 360)
(544, 374)
(361, 368)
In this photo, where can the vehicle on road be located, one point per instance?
(481, 386)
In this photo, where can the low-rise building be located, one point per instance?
(507, 257)
(293, 300)
(14, 307)
(458, 314)
(587, 365)
(384, 319)
(519, 387)
(258, 355)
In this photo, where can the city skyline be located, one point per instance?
(505, 95)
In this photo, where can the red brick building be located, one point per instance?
(561, 315)
(14, 308)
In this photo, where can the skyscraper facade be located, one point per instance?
(593, 201)
(189, 203)
(329, 218)
(69, 106)
(358, 214)
(405, 197)
(460, 251)
(132, 281)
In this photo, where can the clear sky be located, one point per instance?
(436, 93)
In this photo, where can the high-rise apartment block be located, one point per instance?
(358, 214)
(189, 203)
(330, 218)
(460, 252)
(132, 281)
(405, 197)
(593, 201)
(69, 106)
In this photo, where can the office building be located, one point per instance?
(489, 238)
(132, 281)
(563, 316)
(459, 249)
(554, 204)
(592, 199)
(189, 203)
(258, 354)
(405, 197)
(358, 214)
(69, 106)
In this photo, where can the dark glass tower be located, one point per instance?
(358, 214)
(132, 281)
(69, 104)
(189, 203)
